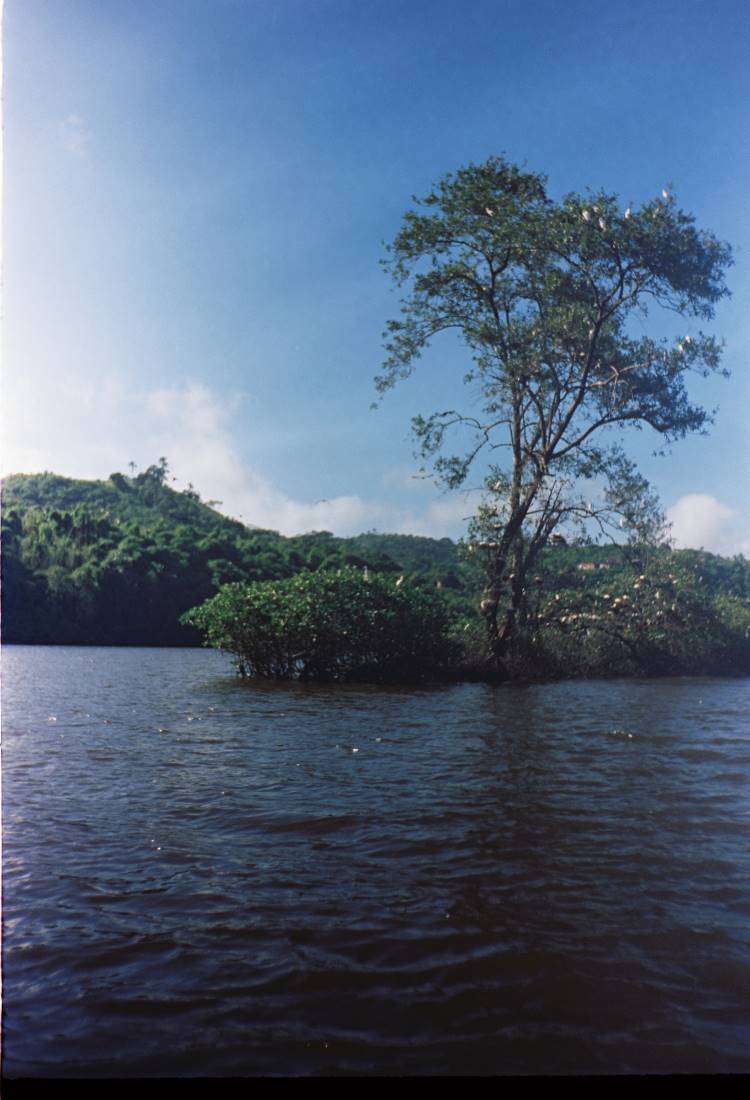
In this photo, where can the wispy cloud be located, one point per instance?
(195, 436)
(82, 429)
(700, 521)
(74, 135)
(88, 429)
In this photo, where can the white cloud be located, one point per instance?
(82, 429)
(200, 448)
(87, 429)
(195, 407)
(74, 136)
(701, 521)
(448, 515)
(67, 424)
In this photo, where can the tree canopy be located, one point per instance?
(543, 296)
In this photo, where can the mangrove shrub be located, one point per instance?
(329, 625)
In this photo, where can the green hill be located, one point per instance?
(117, 562)
(145, 499)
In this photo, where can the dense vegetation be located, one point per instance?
(119, 562)
(346, 624)
(663, 613)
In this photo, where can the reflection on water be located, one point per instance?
(206, 877)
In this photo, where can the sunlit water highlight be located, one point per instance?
(204, 877)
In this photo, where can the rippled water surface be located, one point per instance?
(204, 877)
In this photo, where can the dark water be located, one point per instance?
(209, 878)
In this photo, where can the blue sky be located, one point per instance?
(196, 199)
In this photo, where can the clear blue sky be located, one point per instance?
(197, 196)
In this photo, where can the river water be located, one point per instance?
(209, 877)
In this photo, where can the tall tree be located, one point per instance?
(542, 294)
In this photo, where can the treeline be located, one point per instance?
(653, 614)
(119, 562)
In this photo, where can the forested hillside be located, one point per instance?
(118, 562)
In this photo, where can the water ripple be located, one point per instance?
(202, 877)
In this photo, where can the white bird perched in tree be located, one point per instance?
(665, 193)
(586, 216)
(489, 211)
(602, 223)
(628, 212)
(400, 581)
